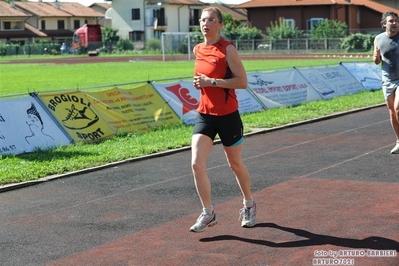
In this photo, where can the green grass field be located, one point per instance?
(23, 78)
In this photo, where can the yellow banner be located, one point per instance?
(74, 112)
(128, 110)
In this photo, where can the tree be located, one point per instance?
(282, 30)
(329, 29)
(234, 30)
(110, 37)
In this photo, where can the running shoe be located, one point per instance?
(248, 216)
(395, 149)
(203, 221)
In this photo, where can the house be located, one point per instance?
(136, 20)
(13, 23)
(362, 16)
(139, 20)
(106, 10)
(24, 22)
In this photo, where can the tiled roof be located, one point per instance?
(103, 5)
(50, 9)
(237, 14)
(42, 9)
(374, 5)
(7, 11)
(266, 3)
(34, 30)
(78, 10)
(269, 3)
(29, 31)
(179, 2)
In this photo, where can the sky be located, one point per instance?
(90, 2)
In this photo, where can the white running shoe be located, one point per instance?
(203, 221)
(395, 149)
(248, 216)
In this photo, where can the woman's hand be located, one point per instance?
(201, 80)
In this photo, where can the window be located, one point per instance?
(195, 15)
(158, 34)
(61, 24)
(7, 25)
(159, 16)
(76, 24)
(313, 22)
(136, 36)
(43, 24)
(136, 14)
(290, 22)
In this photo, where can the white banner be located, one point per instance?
(281, 88)
(331, 82)
(368, 74)
(26, 126)
(183, 97)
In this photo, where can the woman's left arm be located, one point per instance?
(239, 81)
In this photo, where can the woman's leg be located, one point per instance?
(234, 158)
(200, 148)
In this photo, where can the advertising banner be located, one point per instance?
(75, 114)
(25, 126)
(331, 82)
(128, 110)
(246, 102)
(183, 97)
(282, 88)
(368, 74)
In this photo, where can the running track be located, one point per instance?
(321, 187)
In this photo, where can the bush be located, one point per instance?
(358, 42)
(329, 29)
(153, 45)
(282, 30)
(124, 45)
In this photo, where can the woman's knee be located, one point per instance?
(198, 167)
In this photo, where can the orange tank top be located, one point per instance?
(211, 61)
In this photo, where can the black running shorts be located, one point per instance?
(229, 127)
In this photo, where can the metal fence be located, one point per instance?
(290, 45)
(254, 46)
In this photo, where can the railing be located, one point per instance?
(251, 46)
(290, 45)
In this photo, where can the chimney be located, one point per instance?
(12, 3)
(57, 4)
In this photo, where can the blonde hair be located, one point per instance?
(215, 10)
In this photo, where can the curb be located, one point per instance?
(165, 153)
